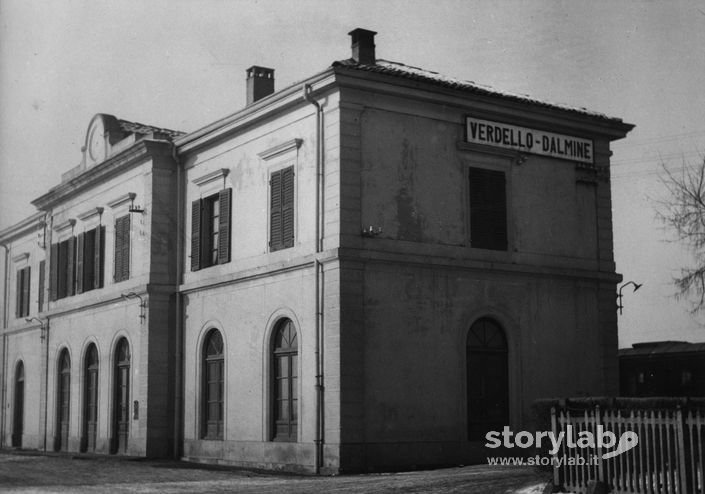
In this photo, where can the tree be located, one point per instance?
(684, 211)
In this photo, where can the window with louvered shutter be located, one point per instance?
(224, 221)
(53, 271)
(288, 207)
(99, 256)
(488, 209)
(40, 292)
(196, 235)
(122, 248)
(71, 266)
(25, 291)
(22, 294)
(79, 263)
(281, 209)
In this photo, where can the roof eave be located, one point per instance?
(21, 228)
(275, 102)
(103, 171)
(613, 128)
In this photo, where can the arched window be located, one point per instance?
(213, 384)
(90, 399)
(487, 379)
(63, 401)
(18, 407)
(121, 402)
(284, 382)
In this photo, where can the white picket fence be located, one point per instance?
(667, 459)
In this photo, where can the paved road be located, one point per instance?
(31, 472)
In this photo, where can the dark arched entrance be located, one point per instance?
(121, 401)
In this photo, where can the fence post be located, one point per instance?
(598, 448)
(556, 466)
(683, 443)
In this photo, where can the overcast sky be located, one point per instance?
(181, 64)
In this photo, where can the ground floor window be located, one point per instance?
(284, 382)
(64, 399)
(90, 399)
(487, 379)
(18, 407)
(213, 386)
(121, 403)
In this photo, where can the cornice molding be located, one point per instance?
(484, 106)
(29, 224)
(114, 165)
(123, 199)
(69, 223)
(20, 257)
(275, 103)
(90, 213)
(211, 176)
(284, 147)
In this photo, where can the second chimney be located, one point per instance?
(363, 46)
(260, 83)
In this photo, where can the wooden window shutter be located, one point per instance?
(224, 224)
(98, 268)
(25, 290)
(125, 247)
(196, 234)
(488, 209)
(18, 293)
(117, 261)
(288, 207)
(275, 211)
(79, 262)
(53, 271)
(71, 267)
(40, 292)
(122, 248)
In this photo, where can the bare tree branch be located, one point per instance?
(683, 211)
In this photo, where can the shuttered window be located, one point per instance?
(22, 305)
(76, 264)
(40, 292)
(281, 209)
(488, 209)
(210, 230)
(90, 248)
(122, 248)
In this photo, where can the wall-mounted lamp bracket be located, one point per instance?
(142, 305)
(133, 208)
(619, 293)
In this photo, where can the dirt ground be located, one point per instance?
(38, 472)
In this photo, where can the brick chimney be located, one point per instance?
(363, 46)
(260, 83)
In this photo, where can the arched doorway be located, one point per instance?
(90, 399)
(487, 379)
(18, 408)
(121, 402)
(63, 400)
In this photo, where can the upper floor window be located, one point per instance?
(89, 259)
(22, 305)
(122, 248)
(488, 209)
(210, 230)
(76, 264)
(281, 209)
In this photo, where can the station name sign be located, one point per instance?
(529, 140)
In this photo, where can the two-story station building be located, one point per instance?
(368, 269)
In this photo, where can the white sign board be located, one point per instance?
(529, 140)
